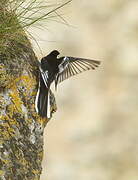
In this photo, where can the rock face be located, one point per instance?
(21, 145)
(21, 129)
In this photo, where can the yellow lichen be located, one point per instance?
(11, 110)
(27, 81)
(5, 161)
(15, 98)
(7, 126)
(42, 121)
(2, 173)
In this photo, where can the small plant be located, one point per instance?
(17, 15)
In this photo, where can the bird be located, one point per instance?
(55, 68)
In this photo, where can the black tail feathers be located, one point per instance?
(42, 103)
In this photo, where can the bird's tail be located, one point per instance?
(42, 102)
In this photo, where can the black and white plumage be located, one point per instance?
(57, 69)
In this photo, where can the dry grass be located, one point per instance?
(17, 15)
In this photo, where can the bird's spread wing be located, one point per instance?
(71, 66)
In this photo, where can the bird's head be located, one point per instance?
(54, 53)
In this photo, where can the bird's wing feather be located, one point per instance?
(72, 66)
(45, 77)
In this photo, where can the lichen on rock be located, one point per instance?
(21, 129)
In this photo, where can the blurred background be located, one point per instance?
(94, 133)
